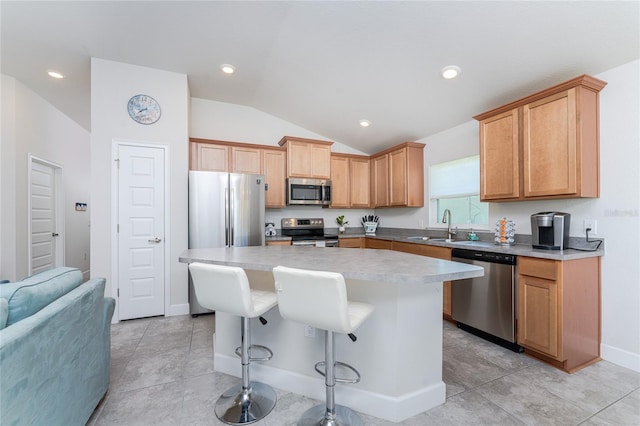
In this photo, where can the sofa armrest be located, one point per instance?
(109, 308)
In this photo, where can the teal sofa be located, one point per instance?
(54, 348)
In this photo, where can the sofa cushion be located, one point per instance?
(33, 293)
(4, 313)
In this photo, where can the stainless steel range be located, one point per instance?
(307, 232)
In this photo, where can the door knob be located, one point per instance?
(54, 234)
(155, 240)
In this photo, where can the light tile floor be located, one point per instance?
(162, 374)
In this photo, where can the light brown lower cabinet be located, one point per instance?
(278, 243)
(559, 311)
(350, 242)
(374, 243)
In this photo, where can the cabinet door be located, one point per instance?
(549, 141)
(246, 160)
(274, 166)
(320, 161)
(299, 159)
(398, 177)
(340, 182)
(359, 189)
(538, 315)
(499, 157)
(373, 243)
(209, 157)
(380, 177)
(350, 243)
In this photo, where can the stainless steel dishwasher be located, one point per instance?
(486, 306)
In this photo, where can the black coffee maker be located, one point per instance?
(550, 230)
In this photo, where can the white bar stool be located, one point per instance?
(319, 299)
(226, 289)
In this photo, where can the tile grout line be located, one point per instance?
(609, 405)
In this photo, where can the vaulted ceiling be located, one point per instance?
(324, 65)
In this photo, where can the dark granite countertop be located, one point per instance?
(581, 249)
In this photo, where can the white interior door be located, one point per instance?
(141, 233)
(46, 245)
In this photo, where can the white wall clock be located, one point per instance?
(143, 109)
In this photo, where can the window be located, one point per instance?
(455, 185)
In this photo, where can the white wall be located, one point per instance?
(112, 84)
(30, 125)
(617, 211)
(236, 123)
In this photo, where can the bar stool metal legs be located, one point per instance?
(250, 401)
(331, 414)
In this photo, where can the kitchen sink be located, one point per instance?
(445, 240)
(422, 238)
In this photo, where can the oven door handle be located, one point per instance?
(304, 243)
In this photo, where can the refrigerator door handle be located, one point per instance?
(231, 218)
(227, 243)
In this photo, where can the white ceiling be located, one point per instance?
(324, 65)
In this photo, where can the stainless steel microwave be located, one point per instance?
(308, 191)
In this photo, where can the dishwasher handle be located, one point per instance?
(483, 256)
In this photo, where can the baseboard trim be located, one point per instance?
(395, 409)
(620, 357)
(175, 310)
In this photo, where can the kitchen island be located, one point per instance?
(399, 348)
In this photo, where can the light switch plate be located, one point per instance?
(309, 331)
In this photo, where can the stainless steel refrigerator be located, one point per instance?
(225, 210)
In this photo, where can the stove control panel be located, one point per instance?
(314, 223)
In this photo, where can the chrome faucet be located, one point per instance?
(446, 220)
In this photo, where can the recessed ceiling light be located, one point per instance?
(365, 123)
(55, 74)
(227, 68)
(451, 71)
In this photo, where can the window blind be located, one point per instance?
(458, 178)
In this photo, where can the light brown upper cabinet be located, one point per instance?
(222, 156)
(543, 146)
(380, 180)
(209, 157)
(340, 193)
(397, 176)
(359, 168)
(307, 158)
(350, 181)
(245, 159)
(499, 162)
(274, 166)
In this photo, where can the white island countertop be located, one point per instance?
(357, 264)
(399, 347)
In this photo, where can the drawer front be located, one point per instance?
(423, 250)
(542, 268)
(278, 243)
(377, 244)
(350, 242)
